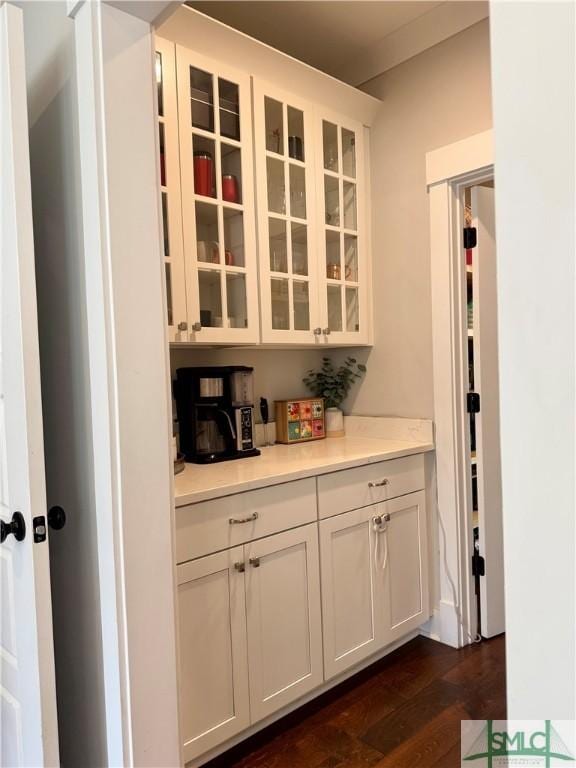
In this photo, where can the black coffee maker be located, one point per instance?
(215, 411)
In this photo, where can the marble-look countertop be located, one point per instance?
(282, 463)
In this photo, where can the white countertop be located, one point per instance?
(281, 463)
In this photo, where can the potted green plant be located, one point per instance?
(333, 384)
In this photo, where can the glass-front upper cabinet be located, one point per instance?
(216, 168)
(343, 242)
(169, 172)
(284, 140)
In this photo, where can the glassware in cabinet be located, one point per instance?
(344, 291)
(217, 200)
(284, 137)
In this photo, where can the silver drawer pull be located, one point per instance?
(380, 484)
(238, 520)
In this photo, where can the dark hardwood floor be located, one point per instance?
(402, 712)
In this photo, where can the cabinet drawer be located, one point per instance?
(205, 527)
(354, 488)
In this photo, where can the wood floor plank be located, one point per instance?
(402, 712)
(431, 743)
(405, 722)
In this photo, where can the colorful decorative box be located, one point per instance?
(298, 421)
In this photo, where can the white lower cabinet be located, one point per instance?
(250, 637)
(284, 620)
(268, 621)
(352, 605)
(406, 572)
(374, 570)
(214, 698)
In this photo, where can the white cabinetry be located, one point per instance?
(250, 635)
(214, 700)
(208, 128)
(374, 579)
(287, 215)
(284, 624)
(352, 604)
(311, 221)
(343, 227)
(274, 601)
(170, 192)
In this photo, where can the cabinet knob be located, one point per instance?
(254, 562)
(240, 567)
(379, 484)
(183, 326)
(326, 331)
(196, 327)
(317, 331)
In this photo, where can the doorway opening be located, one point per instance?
(465, 352)
(484, 499)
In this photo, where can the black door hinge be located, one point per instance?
(473, 402)
(470, 237)
(478, 565)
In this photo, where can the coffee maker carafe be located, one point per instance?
(215, 411)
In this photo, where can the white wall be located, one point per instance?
(277, 373)
(436, 98)
(534, 86)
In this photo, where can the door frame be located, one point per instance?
(449, 170)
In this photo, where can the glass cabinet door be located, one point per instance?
(169, 173)
(342, 243)
(286, 211)
(217, 200)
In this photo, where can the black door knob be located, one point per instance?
(56, 518)
(16, 527)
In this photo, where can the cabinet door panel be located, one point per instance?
(215, 135)
(407, 567)
(343, 238)
(352, 596)
(170, 192)
(212, 642)
(285, 167)
(283, 617)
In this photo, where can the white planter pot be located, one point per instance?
(334, 422)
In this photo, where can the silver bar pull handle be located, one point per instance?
(240, 520)
(379, 484)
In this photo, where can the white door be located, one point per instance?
(283, 618)
(212, 643)
(404, 561)
(29, 734)
(488, 420)
(352, 600)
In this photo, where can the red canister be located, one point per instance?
(230, 188)
(203, 171)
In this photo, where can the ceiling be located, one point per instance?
(323, 33)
